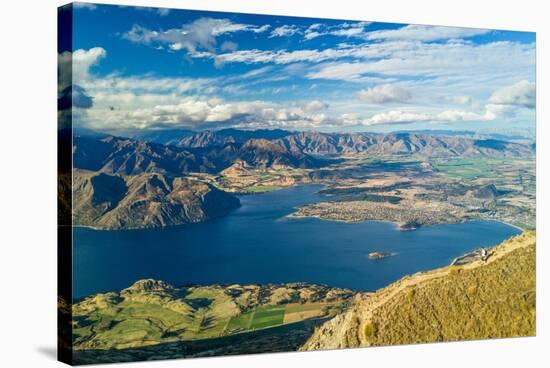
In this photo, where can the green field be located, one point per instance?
(268, 316)
(468, 168)
(261, 188)
(144, 315)
(239, 323)
(139, 323)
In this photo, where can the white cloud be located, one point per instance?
(199, 34)
(522, 93)
(354, 29)
(255, 56)
(260, 29)
(491, 112)
(415, 32)
(385, 93)
(114, 84)
(310, 35)
(435, 60)
(83, 60)
(461, 68)
(196, 111)
(350, 29)
(481, 65)
(315, 106)
(284, 31)
(75, 67)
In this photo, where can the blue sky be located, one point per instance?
(147, 68)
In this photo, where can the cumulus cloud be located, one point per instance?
(315, 106)
(83, 60)
(196, 111)
(416, 32)
(385, 93)
(74, 69)
(75, 66)
(199, 34)
(402, 117)
(522, 93)
(460, 67)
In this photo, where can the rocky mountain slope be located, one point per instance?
(487, 298)
(113, 201)
(222, 137)
(212, 152)
(126, 156)
(370, 144)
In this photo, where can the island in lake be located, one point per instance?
(380, 255)
(236, 184)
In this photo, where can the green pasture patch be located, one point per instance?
(268, 316)
(240, 322)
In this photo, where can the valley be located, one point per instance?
(411, 179)
(236, 186)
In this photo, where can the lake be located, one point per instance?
(258, 244)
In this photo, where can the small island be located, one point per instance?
(380, 255)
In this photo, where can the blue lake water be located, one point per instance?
(258, 244)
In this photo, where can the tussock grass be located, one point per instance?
(490, 301)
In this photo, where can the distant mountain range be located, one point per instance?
(321, 144)
(127, 183)
(190, 138)
(213, 151)
(130, 157)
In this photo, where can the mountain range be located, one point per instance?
(123, 182)
(213, 151)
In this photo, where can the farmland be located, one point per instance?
(413, 192)
(151, 312)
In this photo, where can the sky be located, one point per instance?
(137, 68)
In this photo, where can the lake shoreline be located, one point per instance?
(259, 244)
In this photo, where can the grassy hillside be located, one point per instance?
(151, 312)
(484, 299)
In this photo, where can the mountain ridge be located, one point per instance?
(113, 201)
(445, 304)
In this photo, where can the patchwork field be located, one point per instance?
(151, 312)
